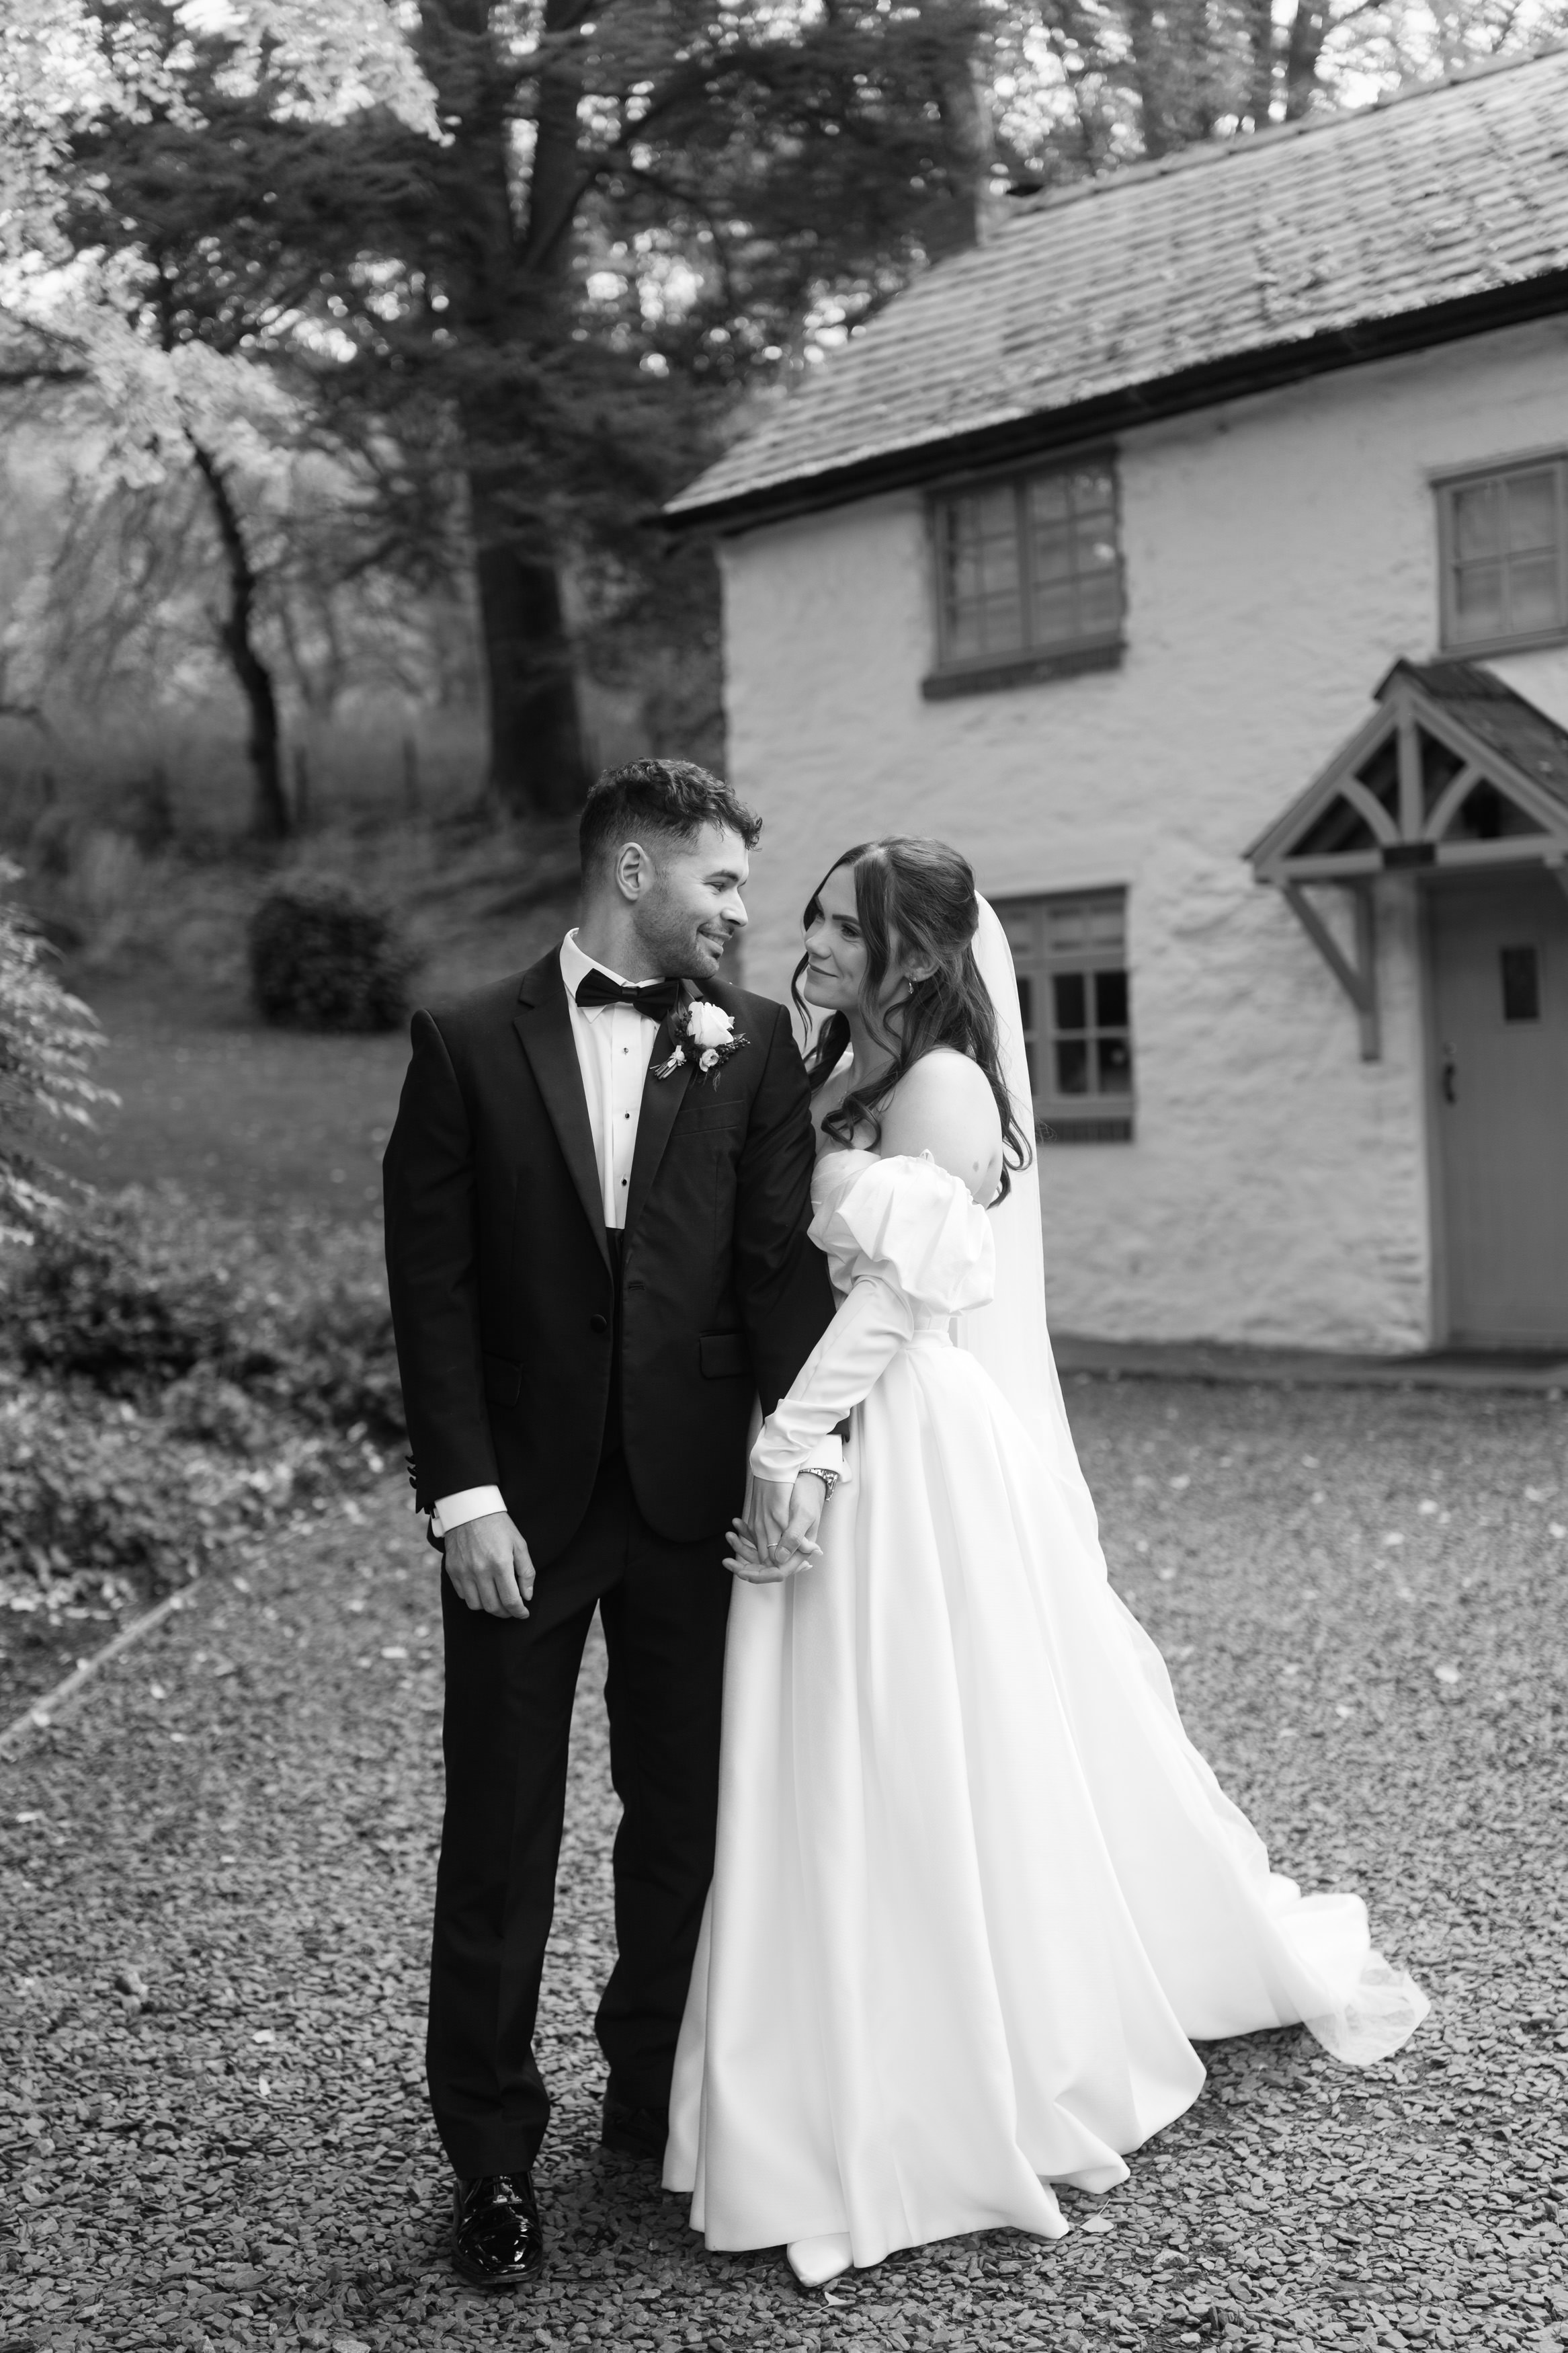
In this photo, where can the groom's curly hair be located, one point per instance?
(668, 796)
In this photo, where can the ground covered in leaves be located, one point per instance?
(215, 1875)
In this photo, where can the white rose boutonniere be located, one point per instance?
(705, 1036)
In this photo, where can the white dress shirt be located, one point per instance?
(615, 1047)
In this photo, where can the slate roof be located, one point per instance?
(1492, 711)
(1427, 215)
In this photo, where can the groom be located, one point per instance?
(597, 1195)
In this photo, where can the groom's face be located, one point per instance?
(690, 907)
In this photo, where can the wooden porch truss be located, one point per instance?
(1452, 771)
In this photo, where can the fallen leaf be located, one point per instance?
(1447, 1674)
(395, 1650)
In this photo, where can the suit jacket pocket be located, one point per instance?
(723, 1357)
(503, 1380)
(696, 1114)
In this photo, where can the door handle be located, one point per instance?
(1449, 1076)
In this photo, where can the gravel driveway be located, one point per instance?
(215, 1879)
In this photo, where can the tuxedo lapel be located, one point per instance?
(661, 1099)
(543, 1022)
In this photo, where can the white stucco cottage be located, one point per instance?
(1194, 555)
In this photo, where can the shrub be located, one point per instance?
(106, 1295)
(45, 1037)
(149, 1299)
(323, 958)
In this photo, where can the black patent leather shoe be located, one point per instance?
(496, 2238)
(634, 2132)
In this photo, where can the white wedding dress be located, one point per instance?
(975, 1892)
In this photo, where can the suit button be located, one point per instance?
(598, 1322)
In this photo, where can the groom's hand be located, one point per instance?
(487, 1561)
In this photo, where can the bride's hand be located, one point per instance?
(755, 1567)
(785, 1515)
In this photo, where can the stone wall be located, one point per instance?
(1280, 552)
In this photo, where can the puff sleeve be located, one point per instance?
(914, 1248)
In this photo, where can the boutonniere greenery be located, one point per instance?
(704, 1035)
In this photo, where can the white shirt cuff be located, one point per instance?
(471, 1504)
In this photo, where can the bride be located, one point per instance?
(975, 1892)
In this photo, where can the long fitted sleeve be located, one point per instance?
(910, 1248)
(870, 1327)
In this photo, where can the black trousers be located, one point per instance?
(510, 1688)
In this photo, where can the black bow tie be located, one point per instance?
(657, 998)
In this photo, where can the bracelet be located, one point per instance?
(829, 1478)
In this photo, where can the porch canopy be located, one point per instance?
(1453, 770)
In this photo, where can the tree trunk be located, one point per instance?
(1150, 77)
(966, 118)
(537, 762)
(1260, 48)
(1303, 47)
(270, 805)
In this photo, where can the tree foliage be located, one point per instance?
(46, 1040)
(511, 265)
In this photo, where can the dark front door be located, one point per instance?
(1500, 1002)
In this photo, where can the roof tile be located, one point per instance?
(1426, 198)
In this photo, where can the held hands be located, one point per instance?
(488, 1562)
(779, 1538)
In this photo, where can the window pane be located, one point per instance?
(1069, 927)
(1053, 555)
(1476, 521)
(1071, 995)
(1111, 1001)
(1520, 985)
(1026, 999)
(983, 611)
(1072, 1066)
(1048, 501)
(1093, 491)
(1532, 602)
(1056, 617)
(1531, 506)
(1477, 600)
(1115, 1066)
(1099, 602)
(1029, 1058)
(1075, 580)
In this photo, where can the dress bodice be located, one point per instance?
(908, 1223)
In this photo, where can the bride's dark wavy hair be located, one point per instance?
(914, 899)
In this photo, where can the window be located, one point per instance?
(1028, 577)
(1520, 985)
(1071, 957)
(1503, 537)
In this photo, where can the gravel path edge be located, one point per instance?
(40, 1713)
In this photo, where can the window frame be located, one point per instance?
(1030, 662)
(1090, 1118)
(1445, 485)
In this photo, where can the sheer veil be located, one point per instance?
(1012, 1337)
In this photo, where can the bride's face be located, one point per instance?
(835, 946)
(836, 952)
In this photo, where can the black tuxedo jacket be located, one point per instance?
(503, 1290)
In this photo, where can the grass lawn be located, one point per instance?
(256, 1120)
